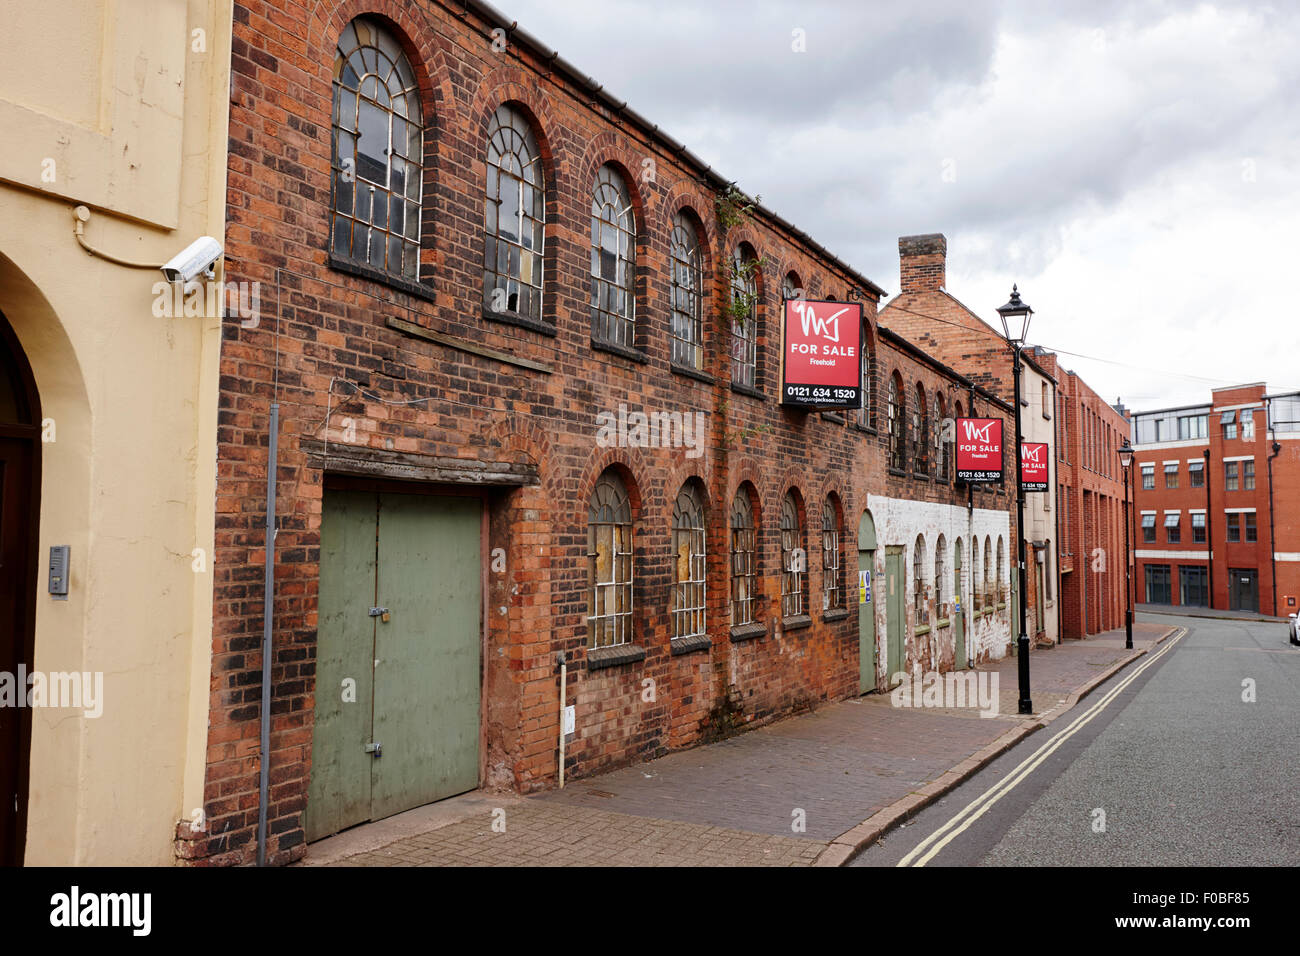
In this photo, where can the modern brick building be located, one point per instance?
(925, 312)
(524, 352)
(1218, 502)
(1090, 504)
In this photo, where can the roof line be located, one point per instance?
(558, 64)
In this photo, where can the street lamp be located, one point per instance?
(1126, 461)
(1015, 327)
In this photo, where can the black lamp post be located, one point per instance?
(1126, 460)
(1015, 327)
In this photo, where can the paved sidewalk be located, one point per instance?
(784, 794)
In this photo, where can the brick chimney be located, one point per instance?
(923, 262)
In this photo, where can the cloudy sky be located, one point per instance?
(1134, 166)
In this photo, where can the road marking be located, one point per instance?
(981, 804)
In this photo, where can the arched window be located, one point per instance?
(613, 260)
(609, 563)
(688, 295)
(378, 153)
(896, 454)
(791, 287)
(794, 558)
(941, 579)
(940, 444)
(867, 413)
(686, 604)
(990, 583)
(744, 317)
(744, 573)
(515, 217)
(920, 434)
(976, 582)
(919, 589)
(832, 586)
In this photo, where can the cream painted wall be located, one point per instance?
(129, 479)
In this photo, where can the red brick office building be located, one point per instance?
(525, 353)
(1218, 502)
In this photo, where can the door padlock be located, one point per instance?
(381, 613)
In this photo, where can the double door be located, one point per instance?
(398, 656)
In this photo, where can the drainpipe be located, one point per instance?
(1272, 545)
(564, 688)
(1209, 527)
(268, 614)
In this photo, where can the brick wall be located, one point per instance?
(454, 395)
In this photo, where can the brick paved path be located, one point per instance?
(734, 802)
(539, 834)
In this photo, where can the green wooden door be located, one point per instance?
(427, 653)
(958, 611)
(338, 795)
(866, 604)
(397, 701)
(894, 611)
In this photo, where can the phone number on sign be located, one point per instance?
(819, 393)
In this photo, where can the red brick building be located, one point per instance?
(1218, 502)
(926, 312)
(1090, 504)
(524, 349)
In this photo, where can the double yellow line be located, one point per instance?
(981, 804)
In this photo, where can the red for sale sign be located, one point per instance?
(979, 449)
(1033, 465)
(821, 358)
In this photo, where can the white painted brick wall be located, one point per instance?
(898, 522)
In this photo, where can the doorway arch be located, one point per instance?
(20, 483)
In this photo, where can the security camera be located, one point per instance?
(198, 256)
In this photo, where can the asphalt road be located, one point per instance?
(1165, 764)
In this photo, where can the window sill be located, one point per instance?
(622, 351)
(694, 373)
(687, 645)
(796, 622)
(940, 625)
(865, 429)
(898, 472)
(602, 657)
(835, 614)
(417, 289)
(747, 632)
(833, 417)
(1002, 605)
(921, 629)
(523, 321)
(749, 390)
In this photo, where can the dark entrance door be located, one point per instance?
(20, 448)
(1243, 589)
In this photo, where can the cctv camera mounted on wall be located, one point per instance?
(199, 256)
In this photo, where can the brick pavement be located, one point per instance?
(733, 803)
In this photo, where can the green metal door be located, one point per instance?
(866, 604)
(338, 795)
(958, 611)
(894, 611)
(427, 653)
(397, 698)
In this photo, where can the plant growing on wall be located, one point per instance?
(733, 207)
(744, 290)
